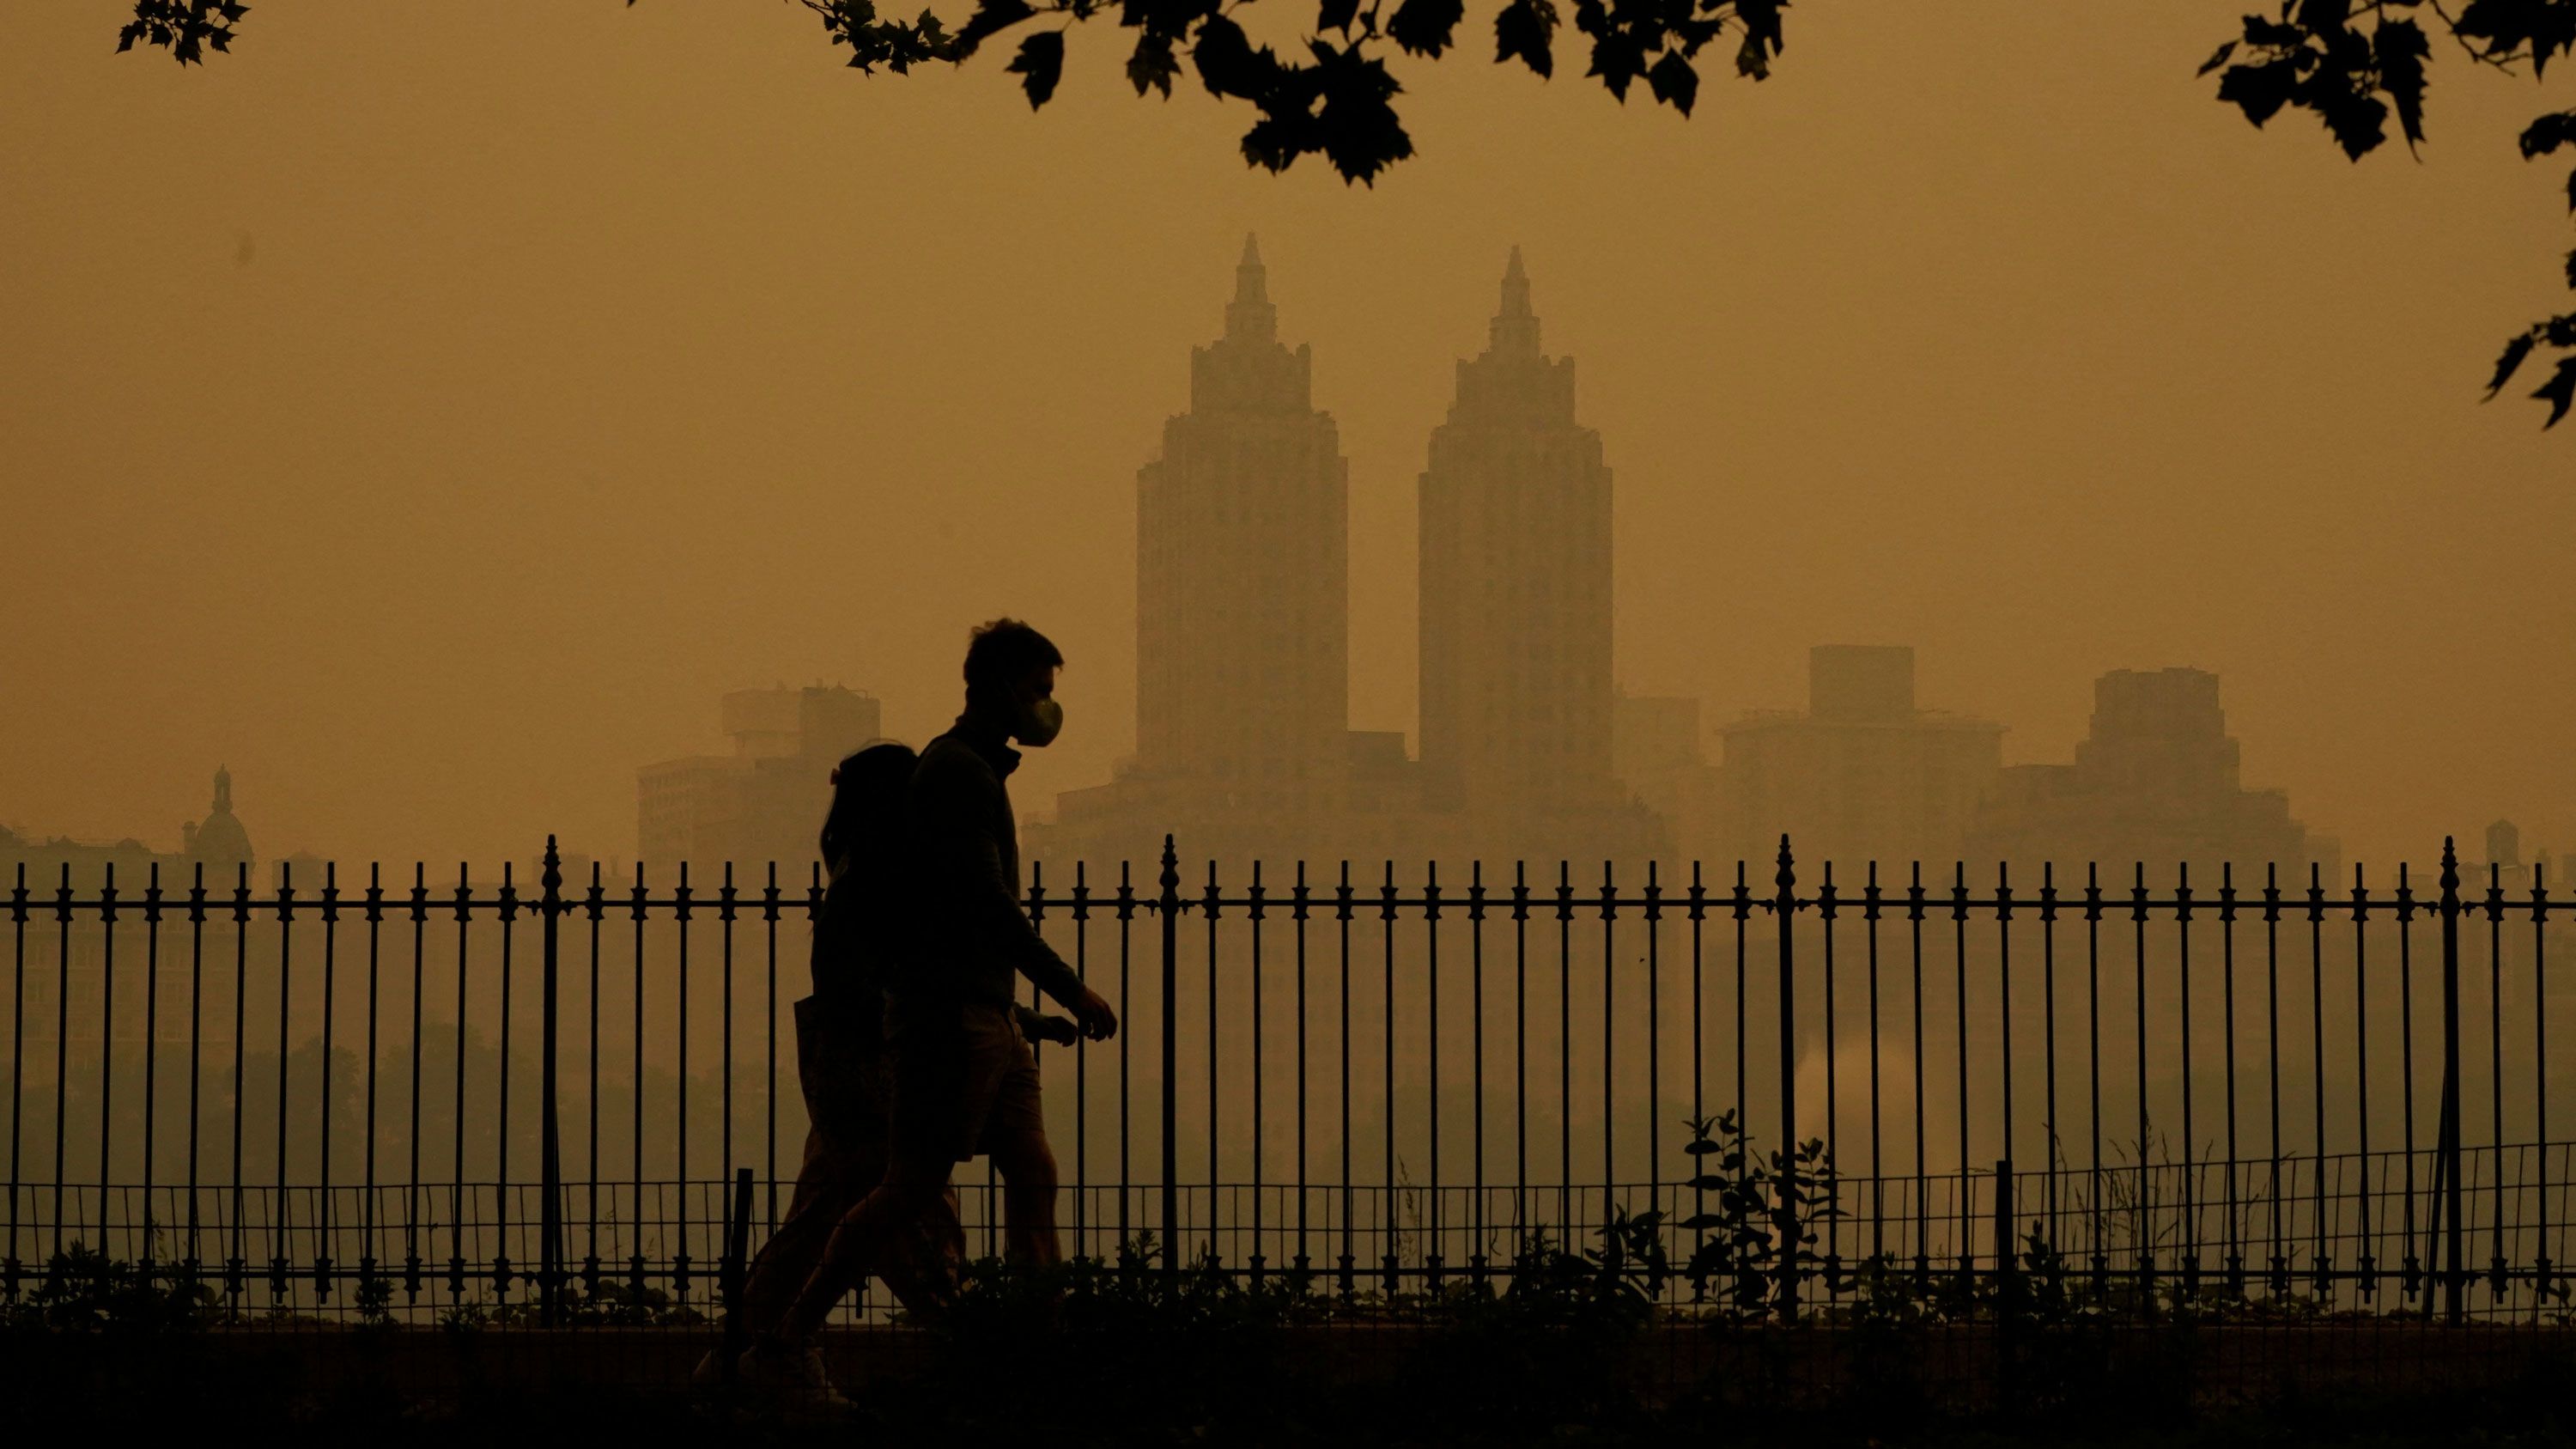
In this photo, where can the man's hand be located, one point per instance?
(1056, 1029)
(1097, 1020)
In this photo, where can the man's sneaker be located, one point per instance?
(795, 1374)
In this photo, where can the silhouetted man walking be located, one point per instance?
(965, 1081)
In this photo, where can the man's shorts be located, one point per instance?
(964, 1079)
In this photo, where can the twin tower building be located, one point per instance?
(1244, 749)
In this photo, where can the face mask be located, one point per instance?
(1039, 724)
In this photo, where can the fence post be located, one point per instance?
(1169, 903)
(1785, 906)
(2455, 1306)
(550, 1214)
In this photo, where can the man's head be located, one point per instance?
(1010, 681)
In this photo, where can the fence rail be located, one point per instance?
(2248, 1093)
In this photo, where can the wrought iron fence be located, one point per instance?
(408, 1099)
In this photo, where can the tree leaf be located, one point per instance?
(2217, 60)
(2549, 133)
(2259, 90)
(1527, 28)
(991, 16)
(1617, 58)
(1423, 27)
(1674, 82)
(2559, 392)
(1358, 130)
(2357, 119)
(1153, 64)
(2398, 49)
(1751, 60)
(2511, 362)
(1039, 65)
(1336, 15)
(1227, 63)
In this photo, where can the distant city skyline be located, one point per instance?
(636, 412)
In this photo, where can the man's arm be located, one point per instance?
(956, 807)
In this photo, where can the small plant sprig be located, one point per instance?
(1759, 1226)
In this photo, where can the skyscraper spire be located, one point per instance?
(1515, 327)
(1250, 317)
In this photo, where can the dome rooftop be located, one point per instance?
(220, 842)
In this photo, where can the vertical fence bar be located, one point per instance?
(2495, 1078)
(1085, 1244)
(237, 1264)
(456, 1126)
(370, 1255)
(2542, 1270)
(1870, 906)
(2368, 1264)
(550, 1252)
(1126, 1052)
(1654, 1039)
(1609, 1054)
(189, 1263)
(107, 1054)
(1168, 904)
(2454, 1283)
(1914, 903)
(2141, 1238)
(151, 1051)
(1476, 1047)
(2322, 1263)
(2278, 1269)
(1431, 1262)
(2003, 1020)
(769, 903)
(322, 1109)
(1699, 1044)
(280, 1214)
(2235, 1264)
(727, 899)
(1342, 904)
(1215, 1174)
(1967, 1206)
(1784, 905)
(2051, 1161)
(1299, 906)
(2190, 1186)
(1386, 1063)
(2095, 1182)
(1260, 1051)
(10, 1266)
(1565, 1045)
(419, 989)
(679, 1225)
(1826, 914)
(635, 1101)
(595, 906)
(2415, 1262)
(502, 1218)
(1520, 1046)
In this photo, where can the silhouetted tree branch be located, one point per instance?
(2352, 63)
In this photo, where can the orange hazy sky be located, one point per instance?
(429, 411)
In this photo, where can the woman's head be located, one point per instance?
(867, 800)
